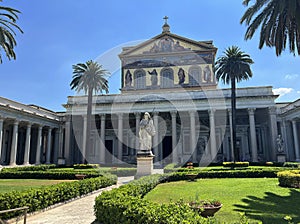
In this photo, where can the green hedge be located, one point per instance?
(37, 199)
(235, 164)
(228, 173)
(45, 175)
(289, 178)
(61, 173)
(86, 166)
(292, 164)
(30, 168)
(125, 205)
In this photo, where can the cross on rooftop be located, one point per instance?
(166, 19)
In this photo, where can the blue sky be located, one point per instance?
(60, 33)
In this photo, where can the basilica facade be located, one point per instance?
(172, 78)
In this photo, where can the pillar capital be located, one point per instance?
(173, 113)
(251, 111)
(211, 111)
(272, 110)
(29, 124)
(137, 114)
(155, 113)
(16, 122)
(192, 113)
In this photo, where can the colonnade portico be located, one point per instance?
(289, 121)
(11, 147)
(28, 134)
(216, 147)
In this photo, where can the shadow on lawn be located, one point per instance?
(272, 208)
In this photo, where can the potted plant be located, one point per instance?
(205, 208)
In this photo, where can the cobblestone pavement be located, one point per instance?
(78, 211)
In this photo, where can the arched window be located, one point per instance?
(167, 78)
(140, 79)
(195, 76)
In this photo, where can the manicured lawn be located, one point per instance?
(261, 199)
(7, 185)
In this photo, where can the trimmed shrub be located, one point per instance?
(292, 164)
(235, 164)
(59, 173)
(56, 175)
(289, 178)
(37, 199)
(86, 166)
(29, 168)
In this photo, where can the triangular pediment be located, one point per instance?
(167, 43)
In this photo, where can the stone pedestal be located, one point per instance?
(144, 164)
(281, 158)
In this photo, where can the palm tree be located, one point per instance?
(8, 19)
(233, 67)
(279, 21)
(91, 78)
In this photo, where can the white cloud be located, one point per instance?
(282, 91)
(291, 76)
(298, 92)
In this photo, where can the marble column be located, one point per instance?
(251, 112)
(102, 136)
(137, 128)
(231, 135)
(84, 138)
(296, 140)
(1, 136)
(48, 155)
(39, 146)
(174, 138)
(274, 132)
(120, 136)
(67, 140)
(27, 144)
(56, 144)
(193, 135)
(14, 145)
(155, 137)
(213, 145)
(61, 142)
(284, 135)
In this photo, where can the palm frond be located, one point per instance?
(279, 21)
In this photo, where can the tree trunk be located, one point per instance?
(88, 126)
(233, 109)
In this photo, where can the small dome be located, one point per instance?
(166, 28)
